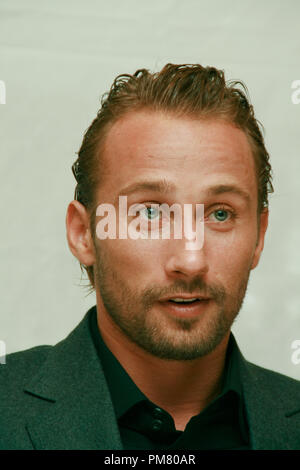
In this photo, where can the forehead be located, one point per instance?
(186, 151)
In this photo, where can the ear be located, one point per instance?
(262, 228)
(78, 233)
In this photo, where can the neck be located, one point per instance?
(182, 388)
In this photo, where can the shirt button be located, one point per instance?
(157, 412)
(156, 424)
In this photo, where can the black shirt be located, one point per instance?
(144, 425)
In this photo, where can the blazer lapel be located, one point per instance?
(69, 405)
(69, 398)
(272, 407)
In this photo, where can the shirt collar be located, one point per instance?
(125, 393)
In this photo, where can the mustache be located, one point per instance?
(197, 285)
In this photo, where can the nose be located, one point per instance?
(184, 262)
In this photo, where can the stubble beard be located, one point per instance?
(139, 317)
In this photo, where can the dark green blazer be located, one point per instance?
(56, 397)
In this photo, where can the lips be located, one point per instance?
(185, 297)
(184, 301)
(197, 306)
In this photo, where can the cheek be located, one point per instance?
(230, 255)
(131, 259)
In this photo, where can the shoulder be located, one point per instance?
(21, 366)
(18, 369)
(279, 385)
(262, 373)
(259, 380)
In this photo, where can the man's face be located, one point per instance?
(134, 277)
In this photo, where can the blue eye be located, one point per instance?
(221, 214)
(152, 212)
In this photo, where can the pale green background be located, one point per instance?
(57, 58)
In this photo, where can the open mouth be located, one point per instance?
(186, 307)
(184, 302)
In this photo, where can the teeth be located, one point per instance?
(184, 300)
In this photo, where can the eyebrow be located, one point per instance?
(164, 186)
(229, 188)
(161, 186)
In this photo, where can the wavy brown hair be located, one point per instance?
(188, 90)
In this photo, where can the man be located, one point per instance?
(154, 364)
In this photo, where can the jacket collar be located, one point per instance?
(75, 410)
(272, 406)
